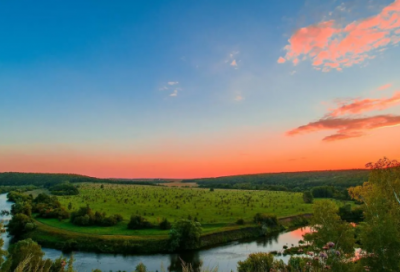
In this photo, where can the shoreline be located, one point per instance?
(55, 238)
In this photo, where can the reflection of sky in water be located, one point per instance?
(225, 257)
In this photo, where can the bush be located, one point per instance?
(85, 217)
(269, 220)
(140, 268)
(63, 189)
(165, 224)
(256, 262)
(20, 224)
(185, 234)
(308, 197)
(139, 222)
(240, 221)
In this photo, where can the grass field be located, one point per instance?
(212, 209)
(215, 210)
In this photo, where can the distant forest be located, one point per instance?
(296, 181)
(48, 180)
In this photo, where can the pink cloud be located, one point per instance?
(384, 87)
(330, 46)
(359, 106)
(281, 60)
(347, 127)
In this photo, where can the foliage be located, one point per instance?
(22, 207)
(240, 221)
(351, 215)
(140, 268)
(308, 197)
(269, 220)
(256, 262)
(139, 222)
(297, 182)
(20, 224)
(49, 207)
(86, 217)
(185, 234)
(380, 235)
(165, 224)
(16, 196)
(65, 188)
(328, 227)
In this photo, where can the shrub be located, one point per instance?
(185, 234)
(165, 224)
(240, 221)
(139, 222)
(269, 220)
(140, 268)
(256, 262)
(308, 197)
(20, 224)
(64, 189)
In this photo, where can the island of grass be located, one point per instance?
(225, 215)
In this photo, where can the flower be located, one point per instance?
(337, 253)
(330, 244)
(323, 255)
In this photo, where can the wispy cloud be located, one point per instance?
(239, 98)
(164, 88)
(384, 87)
(173, 83)
(232, 60)
(345, 120)
(347, 127)
(358, 106)
(174, 93)
(329, 46)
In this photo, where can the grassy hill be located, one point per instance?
(295, 181)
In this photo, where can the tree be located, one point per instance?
(330, 228)
(185, 234)
(139, 222)
(380, 235)
(256, 262)
(24, 250)
(308, 197)
(20, 224)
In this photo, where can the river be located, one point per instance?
(225, 257)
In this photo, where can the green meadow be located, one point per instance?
(215, 210)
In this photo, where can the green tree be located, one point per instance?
(256, 262)
(185, 234)
(330, 228)
(308, 197)
(20, 224)
(380, 235)
(26, 250)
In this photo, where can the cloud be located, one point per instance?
(233, 63)
(281, 60)
(329, 46)
(359, 106)
(384, 87)
(347, 127)
(163, 88)
(173, 83)
(174, 93)
(239, 98)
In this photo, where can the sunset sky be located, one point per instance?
(181, 89)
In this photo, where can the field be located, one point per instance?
(213, 209)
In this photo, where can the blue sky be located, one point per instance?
(143, 78)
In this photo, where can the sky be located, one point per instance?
(184, 89)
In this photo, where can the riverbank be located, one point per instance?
(51, 237)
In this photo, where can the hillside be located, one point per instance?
(295, 181)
